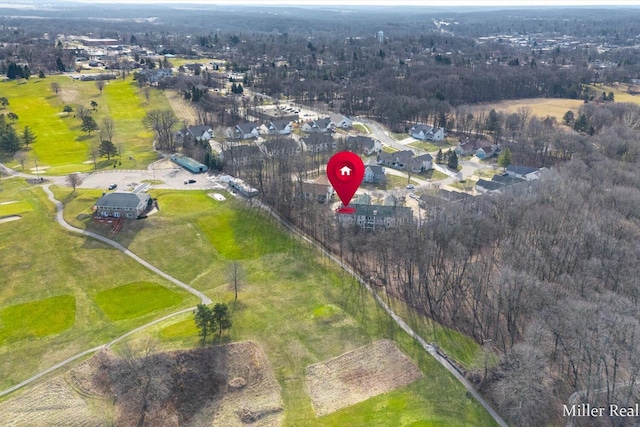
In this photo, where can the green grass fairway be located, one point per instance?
(135, 299)
(61, 146)
(39, 318)
(298, 306)
(40, 260)
(14, 208)
(436, 404)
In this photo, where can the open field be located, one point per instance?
(135, 299)
(299, 308)
(62, 147)
(620, 91)
(57, 275)
(51, 403)
(358, 375)
(541, 107)
(36, 319)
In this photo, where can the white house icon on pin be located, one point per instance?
(345, 171)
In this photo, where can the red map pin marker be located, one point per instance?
(345, 171)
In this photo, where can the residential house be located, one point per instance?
(524, 172)
(507, 179)
(125, 205)
(280, 147)
(155, 75)
(319, 190)
(398, 159)
(241, 155)
(279, 127)
(245, 131)
(427, 133)
(420, 163)
(318, 126)
(340, 121)
(199, 133)
(453, 196)
(374, 174)
(316, 143)
(484, 186)
(363, 144)
(481, 148)
(376, 217)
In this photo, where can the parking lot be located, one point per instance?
(127, 180)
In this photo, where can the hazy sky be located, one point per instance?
(426, 3)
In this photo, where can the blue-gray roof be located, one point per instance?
(521, 170)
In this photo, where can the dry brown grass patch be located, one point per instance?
(53, 403)
(358, 375)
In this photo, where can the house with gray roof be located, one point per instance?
(318, 142)
(318, 126)
(280, 147)
(426, 133)
(279, 127)
(340, 121)
(199, 133)
(374, 174)
(245, 131)
(363, 144)
(377, 217)
(122, 205)
(525, 172)
(484, 186)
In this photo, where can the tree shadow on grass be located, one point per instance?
(83, 138)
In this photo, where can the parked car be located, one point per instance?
(189, 181)
(410, 187)
(113, 186)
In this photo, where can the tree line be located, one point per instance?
(544, 275)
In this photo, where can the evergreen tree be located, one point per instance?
(581, 124)
(60, 65)
(439, 156)
(453, 161)
(220, 318)
(505, 158)
(108, 148)
(202, 317)
(88, 124)
(9, 141)
(28, 137)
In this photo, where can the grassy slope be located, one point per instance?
(283, 306)
(39, 261)
(61, 145)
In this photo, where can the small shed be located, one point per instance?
(189, 164)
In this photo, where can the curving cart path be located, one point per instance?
(60, 219)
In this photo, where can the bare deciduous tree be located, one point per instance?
(74, 179)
